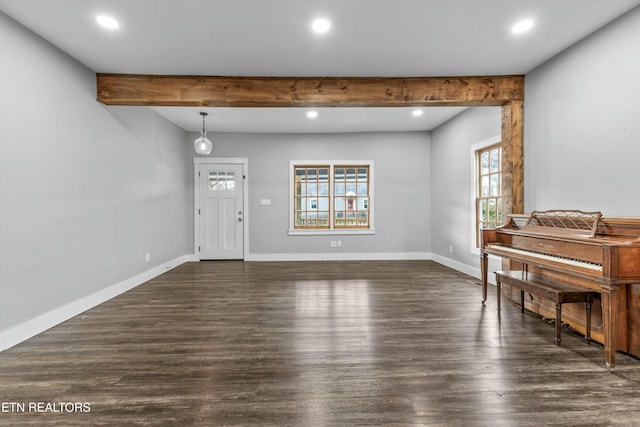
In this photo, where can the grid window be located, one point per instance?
(331, 196)
(489, 201)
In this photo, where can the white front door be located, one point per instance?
(221, 211)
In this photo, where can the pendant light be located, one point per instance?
(202, 145)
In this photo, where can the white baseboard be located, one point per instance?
(340, 256)
(33, 327)
(463, 268)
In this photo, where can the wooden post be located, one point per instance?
(513, 157)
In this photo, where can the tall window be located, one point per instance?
(331, 196)
(489, 200)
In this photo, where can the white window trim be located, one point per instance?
(474, 186)
(331, 231)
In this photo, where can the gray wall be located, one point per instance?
(402, 191)
(582, 125)
(452, 179)
(85, 190)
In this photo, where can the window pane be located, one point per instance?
(484, 163)
(339, 174)
(323, 204)
(213, 181)
(362, 174)
(323, 189)
(483, 210)
(484, 186)
(300, 178)
(361, 203)
(351, 174)
(298, 203)
(340, 203)
(363, 218)
(362, 189)
(495, 185)
(312, 189)
(340, 189)
(491, 212)
(351, 189)
(494, 161)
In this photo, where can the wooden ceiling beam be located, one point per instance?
(208, 91)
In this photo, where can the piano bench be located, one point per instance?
(556, 291)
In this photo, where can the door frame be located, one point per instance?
(197, 163)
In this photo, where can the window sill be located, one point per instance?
(330, 232)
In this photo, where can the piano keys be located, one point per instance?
(584, 249)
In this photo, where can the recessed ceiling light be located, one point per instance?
(107, 22)
(417, 113)
(522, 26)
(321, 25)
(312, 114)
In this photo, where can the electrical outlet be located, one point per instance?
(334, 244)
(339, 243)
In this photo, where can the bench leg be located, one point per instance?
(499, 291)
(521, 301)
(558, 322)
(587, 315)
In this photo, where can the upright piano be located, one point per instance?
(584, 249)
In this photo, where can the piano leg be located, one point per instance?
(610, 305)
(587, 318)
(483, 273)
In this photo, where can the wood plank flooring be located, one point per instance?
(402, 343)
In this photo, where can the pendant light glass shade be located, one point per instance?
(202, 145)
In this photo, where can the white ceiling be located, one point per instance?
(369, 38)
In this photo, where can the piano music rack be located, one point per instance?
(566, 222)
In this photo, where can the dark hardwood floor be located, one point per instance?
(401, 343)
